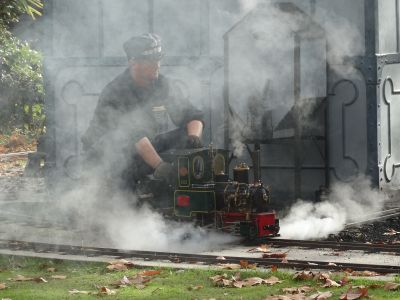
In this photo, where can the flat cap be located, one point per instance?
(146, 46)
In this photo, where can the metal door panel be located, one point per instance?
(389, 129)
(121, 20)
(76, 94)
(347, 123)
(387, 32)
(179, 23)
(76, 28)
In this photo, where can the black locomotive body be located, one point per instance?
(204, 193)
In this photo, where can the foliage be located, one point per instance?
(21, 82)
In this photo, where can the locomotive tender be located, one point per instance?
(203, 193)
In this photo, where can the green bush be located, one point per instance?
(21, 82)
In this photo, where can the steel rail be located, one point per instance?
(374, 248)
(188, 258)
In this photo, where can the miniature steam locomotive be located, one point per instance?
(203, 193)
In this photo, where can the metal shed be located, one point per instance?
(354, 77)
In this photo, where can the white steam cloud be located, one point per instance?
(348, 202)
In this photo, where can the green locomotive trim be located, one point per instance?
(200, 202)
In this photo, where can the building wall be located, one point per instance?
(84, 52)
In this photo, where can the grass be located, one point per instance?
(170, 284)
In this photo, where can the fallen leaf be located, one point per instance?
(122, 282)
(117, 267)
(75, 291)
(391, 286)
(304, 275)
(3, 286)
(352, 294)
(274, 268)
(332, 264)
(238, 284)
(236, 277)
(39, 279)
(106, 291)
(272, 280)
(59, 277)
(120, 265)
(287, 297)
(253, 281)
(363, 273)
(275, 255)
(150, 272)
(138, 279)
(321, 296)
(298, 290)
(245, 265)
(331, 283)
(217, 278)
(230, 266)
(195, 288)
(391, 232)
(226, 282)
(262, 248)
(51, 270)
(343, 281)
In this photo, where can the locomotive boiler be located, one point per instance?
(204, 194)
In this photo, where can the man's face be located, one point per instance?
(146, 69)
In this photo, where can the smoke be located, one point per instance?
(347, 202)
(261, 80)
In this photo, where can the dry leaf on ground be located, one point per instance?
(106, 291)
(230, 266)
(3, 286)
(117, 267)
(303, 275)
(195, 288)
(287, 297)
(363, 273)
(353, 294)
(222, 280)
(59, 277)
(298, 290)
(150, 272)
(51, 270)
(262, 248)
(391, 232)
(330, 283)
(120, 265)
(391, 286)
(245, 265)
(272, 280)
(75, 291)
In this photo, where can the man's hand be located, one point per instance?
(165, 171)
(193, 141)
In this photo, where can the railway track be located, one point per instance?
(41, 248)
(370, 248)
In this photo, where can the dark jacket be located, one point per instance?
(126, 113)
